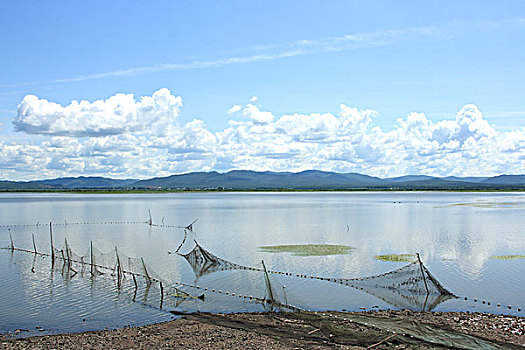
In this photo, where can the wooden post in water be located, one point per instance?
(161, 294)
(91, 259)
(68, 257)
(134, 281)
(34, 244)
(148, 279)
(132, 275)
(422, 272)
(52, 248)
(11, 238)
(150, 219)
(271, 298)
(119, 270)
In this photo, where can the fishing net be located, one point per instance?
(203, 262)
(95, 262)
(369, 331)
(409, 287)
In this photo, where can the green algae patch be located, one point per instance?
(507, 257)
(396, 257)
(308, 249)
(483, 204)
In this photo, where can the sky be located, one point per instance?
(134, 89)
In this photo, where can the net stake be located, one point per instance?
(11, 238)
(68, 256)
(268, 284)
(91, 259)
(119, 270)
(34, 244)
(148, 279)
(52, 248)
(161, 294)
(422, 272)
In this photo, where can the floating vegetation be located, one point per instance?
(308, 249)
(507, 257)
(396, 257)
(482, 205)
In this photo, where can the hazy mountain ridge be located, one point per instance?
(81, 182)
(247, 179)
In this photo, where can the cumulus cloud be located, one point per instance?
(118, 114)
(253, 99)
(234, 109)
(254, 114)
(124, 137)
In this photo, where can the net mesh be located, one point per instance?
(409, 287)
(203, 262)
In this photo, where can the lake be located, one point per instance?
(472, 243)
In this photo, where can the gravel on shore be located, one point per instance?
(322, 330)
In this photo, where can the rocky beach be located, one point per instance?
(384, 329)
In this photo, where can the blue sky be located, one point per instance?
(299, 58)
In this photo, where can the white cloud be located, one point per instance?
(253, 113)
(122, 137)
(253, 99)
(118, 114)
(234, 109)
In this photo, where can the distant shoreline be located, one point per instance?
(150, 191)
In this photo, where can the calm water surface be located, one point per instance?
(456, 235)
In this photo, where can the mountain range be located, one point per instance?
(267, 180)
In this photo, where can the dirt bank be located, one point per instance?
(426, 330)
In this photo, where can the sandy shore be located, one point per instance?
(321, 330)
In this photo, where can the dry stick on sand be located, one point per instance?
(381, 342)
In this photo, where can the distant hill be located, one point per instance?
(245, 179)
(505, 180)
(66, 183)
(19, 186)
(267, 180)
(465, 179)
(408, 178)
(86, 182)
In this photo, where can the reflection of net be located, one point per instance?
(411, 286)
(204, 262)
